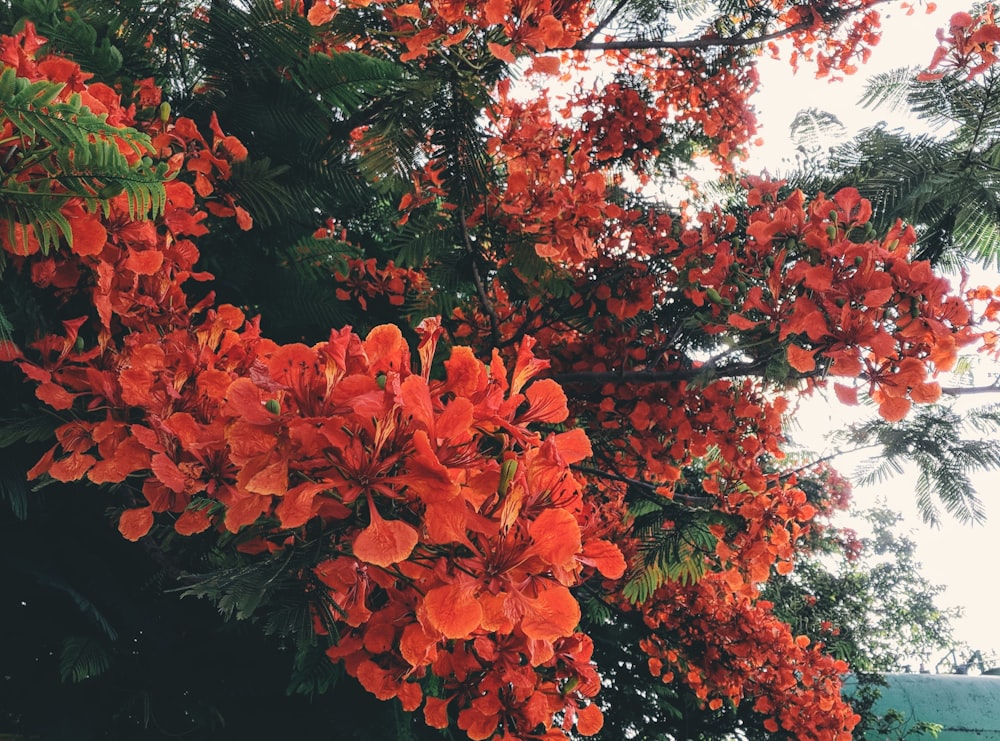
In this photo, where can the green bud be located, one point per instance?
(831, 231)
(273, 406)
(713, 295)
(380, 380)
(164, 111)
(507, 470)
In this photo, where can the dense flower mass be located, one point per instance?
(472, 478)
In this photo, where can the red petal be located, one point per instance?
(55, 396)
(545, 65)
(243, 218)
(384, 542)
(846, 394)
(926, 393)
(453, 611)
(72, 467)
(436, 712)
(386, 349)
(546, 402)
(801, 359)
(501, 52)
(454, 425)
(193, 521)
(556, 536)
(552, 615)
(573, 446)
(168, 473)
(418, 647)
(425, 474)
(589, 720)
(243, 400)
(605, 557)
(134, 523)
(298, 506)
(144, 262)
(466, 375)
(893, 409)
(89, 236)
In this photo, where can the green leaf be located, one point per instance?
(81, 658)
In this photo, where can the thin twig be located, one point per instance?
(607, 19)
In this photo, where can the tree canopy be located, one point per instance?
(369, 323)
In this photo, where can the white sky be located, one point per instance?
(963, 558)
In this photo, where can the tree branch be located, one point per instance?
(705, 42)
(708, 42)
(484, 300)
(736, 370)
(993, 388)
(607, 19)
(647, 486)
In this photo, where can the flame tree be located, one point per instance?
(549, 410)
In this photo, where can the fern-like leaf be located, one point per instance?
(80, 156)
(82, 658)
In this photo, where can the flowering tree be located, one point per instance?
(561, 412)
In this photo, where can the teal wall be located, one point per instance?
(967, 706)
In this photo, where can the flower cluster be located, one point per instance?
(453, 529)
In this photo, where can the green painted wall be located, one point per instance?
(967, 706)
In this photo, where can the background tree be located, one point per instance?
(443, 529)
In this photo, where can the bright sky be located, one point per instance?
(961, 557)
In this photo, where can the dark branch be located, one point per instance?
(710, 42)
(606, 20)
(705, 42)
(993, 388)
(484, 300)
(646, 486)
(704, 372)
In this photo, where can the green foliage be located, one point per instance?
(947, 183)
(678, 552)
(881, 604)
(81, 658)
(14, 491)
(875, 611)
(312, 672)
(65, 151)
(26, 427)
(936, 439)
